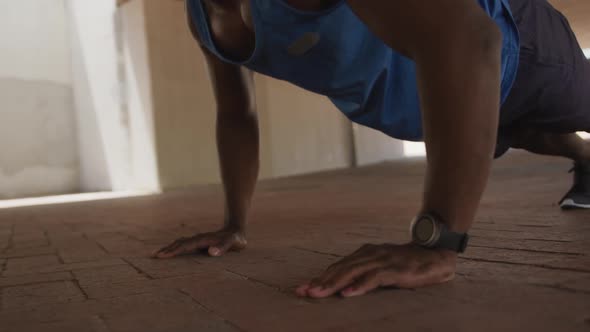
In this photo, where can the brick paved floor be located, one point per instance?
(83, 267)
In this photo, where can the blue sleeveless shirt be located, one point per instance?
(333, 53)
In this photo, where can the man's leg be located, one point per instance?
(570, 146)
(562, 145)
(550, 96)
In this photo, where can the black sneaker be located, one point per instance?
(579, 196)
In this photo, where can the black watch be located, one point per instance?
(429, 231)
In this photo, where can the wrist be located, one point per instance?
(430, 231)
(234, 227)
(454, 221)
(448, 255)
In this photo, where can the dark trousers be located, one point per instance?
(552, 88)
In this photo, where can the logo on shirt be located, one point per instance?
(304, 44)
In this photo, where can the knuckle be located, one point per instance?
(384, 260)
(314, 282)
(357, 267)
(329, 284)
(378, 274)
(331, 268)
(366, 245)
(370, 278)
(382, 250)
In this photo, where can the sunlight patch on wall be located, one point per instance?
(74, 198)
(414, 149)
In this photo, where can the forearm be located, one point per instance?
(460, 86)
(238, 147)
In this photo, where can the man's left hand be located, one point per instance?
(385, 265)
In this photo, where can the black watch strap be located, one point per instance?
(452, 240)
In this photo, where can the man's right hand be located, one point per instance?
(214, 243)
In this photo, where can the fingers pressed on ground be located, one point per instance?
(185, 246)
(171, 246)
(220, 249)
(165, 252)
(302, 290)
(343, 279)
(171, 253)
(368, 282)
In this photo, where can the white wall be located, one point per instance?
(372, 146)
(33, 41)
(38, 149)
(103, 122)
(138, 85)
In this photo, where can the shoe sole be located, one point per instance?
(569, 204)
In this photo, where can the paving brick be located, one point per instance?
(175, 321)
(29, 239)
(555, 260)
(278, 266)
(23, 234)
(245, 303)
(28, 265)
(146, 286)
(120, 244)
(5, 232)
(108, 275)
(27, 252)
(70, 325)
(182, 318)
(168, 268)
(82, 252)
(24, 244)
(164, 310)
(82, 265)
(523, 274)
(120, 289)
(527, 268)
(34, 278)
(510, 296)
(50, 312)
(41, 294)
(561, 247)
(580, 283)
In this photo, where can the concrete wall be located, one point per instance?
(37, 126)
(372, 146)
(183, 106)
(102, 119)
(305, 134)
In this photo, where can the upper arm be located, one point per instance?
(233, 85)
(456, 47)
(416, 27)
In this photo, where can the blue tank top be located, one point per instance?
(333, 53)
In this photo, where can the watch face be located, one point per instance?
(424, 230)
